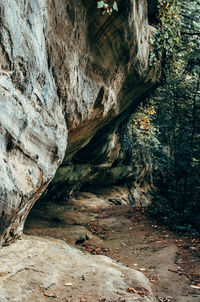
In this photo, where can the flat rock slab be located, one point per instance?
(33, 268)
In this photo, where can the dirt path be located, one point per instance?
(104, 225)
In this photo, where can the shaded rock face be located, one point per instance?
(68, 76)
(32, 125)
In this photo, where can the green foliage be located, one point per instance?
(167, 36)
(176, 123)
(107, 6)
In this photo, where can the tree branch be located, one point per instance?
(191, 34)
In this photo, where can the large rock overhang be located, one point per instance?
(67, 71)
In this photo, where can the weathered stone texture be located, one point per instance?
(32, 125)
(34, 266)
(64, 68)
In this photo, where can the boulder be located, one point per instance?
(33, 268)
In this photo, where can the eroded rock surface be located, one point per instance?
(34, 266)
(64, 68)
(33, 130)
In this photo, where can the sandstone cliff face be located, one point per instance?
(68, 76)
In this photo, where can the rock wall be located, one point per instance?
(68, 76)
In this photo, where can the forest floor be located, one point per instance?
(105, 225)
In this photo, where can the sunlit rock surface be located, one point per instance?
(35, 267)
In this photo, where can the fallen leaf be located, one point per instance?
(131, 290)
(68, 284)
(195, 287)
(142, 269)
(142, 291)
(152, 280)
(173, 271)
(50, 295)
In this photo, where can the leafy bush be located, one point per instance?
(167, 36)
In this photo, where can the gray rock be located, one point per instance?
(65, 68)
(34, 266)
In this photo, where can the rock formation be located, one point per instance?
(34, 267)
(68, 77)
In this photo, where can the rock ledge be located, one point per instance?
(33, 266)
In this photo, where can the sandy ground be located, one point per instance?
(103, 224)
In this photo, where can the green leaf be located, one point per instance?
(166, 35)
(100, 4)
(152, 40)
(115, 7)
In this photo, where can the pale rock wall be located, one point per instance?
(32, 125)
(66, 73)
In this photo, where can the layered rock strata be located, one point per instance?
(68, 76)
